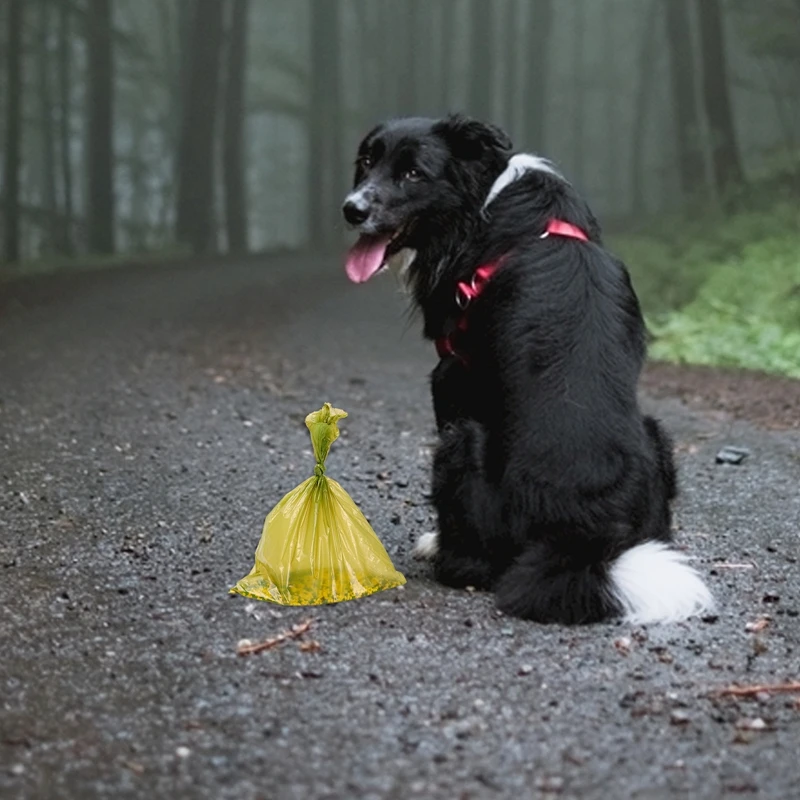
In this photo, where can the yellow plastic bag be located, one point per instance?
(316, 546)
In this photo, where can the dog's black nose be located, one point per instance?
(354, 213)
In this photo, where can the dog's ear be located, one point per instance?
(470, 139)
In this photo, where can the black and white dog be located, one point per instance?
(552, 488)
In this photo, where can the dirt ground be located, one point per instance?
(766, 400)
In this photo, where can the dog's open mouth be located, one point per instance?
(371, 252)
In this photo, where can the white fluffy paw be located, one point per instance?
(427, 547)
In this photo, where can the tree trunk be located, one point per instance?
(612, 181)
(445, 71)
(139, 196)
(404, 31)
(537, 49)
(578, 95)
(13, 128)
(233, 132)
(481, 60)
(64, 132)
(422, 44)
(372, 16)
(511, 99)
(49, 203)
(373, 20)
(385, 43)
(196, 225)
(684, 96)
(326, 170)
(100, 149)
(644, 92)
(716, 95)
(186, 12)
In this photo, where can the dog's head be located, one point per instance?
(411, 172)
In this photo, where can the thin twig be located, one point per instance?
(726, 565)
(750, 691)
(296, 631)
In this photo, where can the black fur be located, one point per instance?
(547, 470)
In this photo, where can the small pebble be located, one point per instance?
(525, 669)
(550, 783)
(18, 769)
(182, 752)
(679, 717)
(756, 724)
(623, 645)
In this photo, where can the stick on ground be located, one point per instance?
(295, 632)
(750, 691)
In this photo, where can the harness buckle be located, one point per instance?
(463, 296)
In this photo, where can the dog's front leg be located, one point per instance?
(468, 509)
(450, 389)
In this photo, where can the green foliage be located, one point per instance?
(773, 31)
(725, 339)
(722, 292)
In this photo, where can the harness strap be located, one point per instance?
(466, 292)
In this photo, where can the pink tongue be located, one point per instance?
(366, 257)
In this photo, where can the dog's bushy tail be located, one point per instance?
(649, 583)
(652, 582)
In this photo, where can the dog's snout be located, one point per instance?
(355, 211)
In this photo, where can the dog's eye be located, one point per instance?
(412, 175)
(365, 162)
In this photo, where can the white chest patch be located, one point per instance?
(400, 263)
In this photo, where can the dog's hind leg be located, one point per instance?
(548, 585)
(666, 462)
(657, 523)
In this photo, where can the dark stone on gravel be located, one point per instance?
(732, 455)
